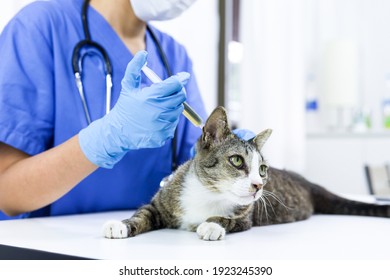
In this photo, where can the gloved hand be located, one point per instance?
(244, 134)
(141, 118)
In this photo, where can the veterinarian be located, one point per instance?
(60, 119)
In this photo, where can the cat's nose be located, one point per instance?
(257, 187)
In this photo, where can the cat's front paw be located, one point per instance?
(210, 231)
(115, 230)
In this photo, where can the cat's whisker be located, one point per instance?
(272, 207)
(274, 196)
(261, 215)
(264, 203)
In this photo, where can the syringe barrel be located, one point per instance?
(188, 112)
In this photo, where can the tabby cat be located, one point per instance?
(228, 187)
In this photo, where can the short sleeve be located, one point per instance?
(26, 82)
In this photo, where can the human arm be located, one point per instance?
(140, 119)
(31, 182)
(31, 94)
(26, 115)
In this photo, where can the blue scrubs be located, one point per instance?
(40, 106)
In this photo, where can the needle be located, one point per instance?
(188, 112)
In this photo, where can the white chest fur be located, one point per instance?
(199, 203)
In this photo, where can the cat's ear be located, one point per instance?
(261, 138)
(216, 128)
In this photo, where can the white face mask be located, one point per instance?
(147, 10)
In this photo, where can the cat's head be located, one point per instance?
(229, 166)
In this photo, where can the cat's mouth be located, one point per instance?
(250, 197)
(254, 195)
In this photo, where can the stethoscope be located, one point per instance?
(77, 62)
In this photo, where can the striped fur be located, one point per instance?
(212, 195)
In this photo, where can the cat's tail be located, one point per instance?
(326, 202)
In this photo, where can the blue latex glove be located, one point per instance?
(244, 134)
(141, 118)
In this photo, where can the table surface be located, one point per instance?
(320, 237)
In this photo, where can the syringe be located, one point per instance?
(188, 112)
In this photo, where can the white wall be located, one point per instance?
(365, 22)
(197, 29)
(284, 41)
(273, 76)
(337, 160)
(9, 8)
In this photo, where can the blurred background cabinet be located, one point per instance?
(337, 160)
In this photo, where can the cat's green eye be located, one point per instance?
(263, 170)
(237, 161)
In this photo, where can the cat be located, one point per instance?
(229, 187)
